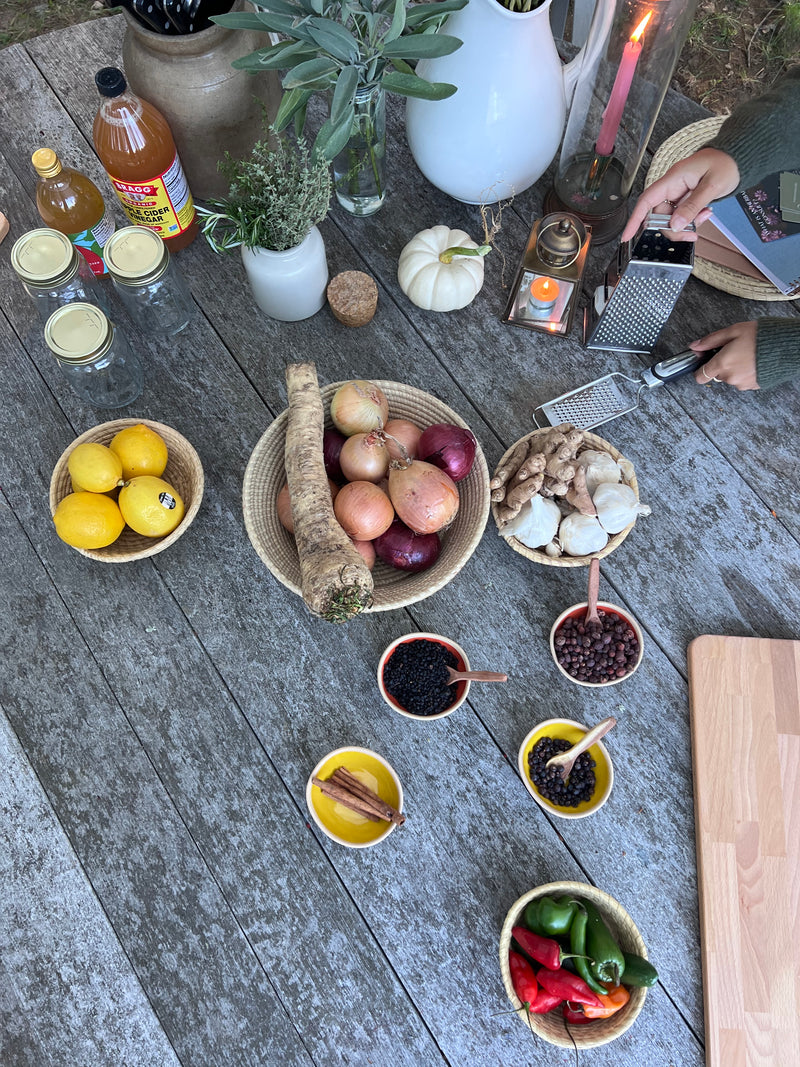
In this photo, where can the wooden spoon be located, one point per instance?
(594, 589)
(474, 676)
(566, 760)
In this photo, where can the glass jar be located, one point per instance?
(358, 170)
(95, 358)
(148, 281)
(53, 273)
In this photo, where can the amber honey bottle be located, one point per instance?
(70, 202)
(136, 147)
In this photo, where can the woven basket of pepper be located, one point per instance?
(554, 1025)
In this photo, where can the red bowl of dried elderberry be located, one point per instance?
(412, 676)
(596, 654)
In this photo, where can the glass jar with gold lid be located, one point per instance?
(148, 281)
(94, 356)
(53, 273)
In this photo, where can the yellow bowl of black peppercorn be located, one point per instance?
(589, 784)
(412, 676)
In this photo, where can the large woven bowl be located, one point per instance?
(266, 473)
(537, 555)
(184, 472)
(552, 1026)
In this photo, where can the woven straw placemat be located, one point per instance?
(678, 147)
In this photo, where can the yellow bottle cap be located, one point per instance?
(77, 333)
(46, 163)
(135, 254)
(44, 257)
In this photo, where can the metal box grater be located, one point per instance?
(641, 286)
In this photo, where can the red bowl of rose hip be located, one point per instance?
(596, 655)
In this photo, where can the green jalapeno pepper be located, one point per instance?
(608, 963)
(577, 943)
(638, 971)
(549, 917)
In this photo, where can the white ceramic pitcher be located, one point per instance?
(501, 130)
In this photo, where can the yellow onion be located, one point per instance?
(424, 497)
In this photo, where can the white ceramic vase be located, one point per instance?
(289, 285)
(500, 131)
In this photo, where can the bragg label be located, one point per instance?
(162, 203)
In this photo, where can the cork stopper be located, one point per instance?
(353, 297)
(46, 163)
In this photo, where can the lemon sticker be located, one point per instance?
(166, 500)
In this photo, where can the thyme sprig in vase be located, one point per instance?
(277, 196)
(353, 51)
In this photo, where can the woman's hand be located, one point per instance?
(735, 363)
(688, 187)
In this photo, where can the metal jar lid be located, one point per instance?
(44, 258)
(78, 333)
(135, 255)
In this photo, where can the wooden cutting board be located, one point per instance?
(745, 712)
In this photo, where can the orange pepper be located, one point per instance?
(616, 997)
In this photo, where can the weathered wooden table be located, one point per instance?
(163, 898)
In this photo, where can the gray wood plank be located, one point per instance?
(66, 988)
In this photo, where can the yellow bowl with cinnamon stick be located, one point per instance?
(355, 797)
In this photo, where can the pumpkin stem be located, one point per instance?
(456, 250)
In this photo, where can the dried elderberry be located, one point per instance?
(415, 675)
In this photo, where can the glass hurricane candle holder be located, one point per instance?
(630, 58)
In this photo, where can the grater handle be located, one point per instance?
(666, 370)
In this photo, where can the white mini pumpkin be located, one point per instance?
(435, 285)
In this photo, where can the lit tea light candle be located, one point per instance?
(612, 116)
(543, 295)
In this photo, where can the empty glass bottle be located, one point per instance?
(148, 281)
(53, 273)
(94, 356)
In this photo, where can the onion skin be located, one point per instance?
(451, 448)
(367, 551)
(363, 510)
(364, 458)
(358, 407)
(424, 497)
(406, 433)
(405, 550)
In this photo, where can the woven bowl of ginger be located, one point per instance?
(554, 474)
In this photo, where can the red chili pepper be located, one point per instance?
(568, 987)
(542, 949)
(523, 978)
(572, 1015)
(545, 1002)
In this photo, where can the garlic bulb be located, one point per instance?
(535, 524)
(600, 467)
(580, 535)
(617, 506)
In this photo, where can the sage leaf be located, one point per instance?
(422, 46)
(413, 85)
(344, 94)
(313, 74)
(398, 21)
(291, 102)
(331, 140)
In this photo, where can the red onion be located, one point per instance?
(450, 448)
(406, 550)
(332, 442)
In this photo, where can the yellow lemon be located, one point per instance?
(141, 450)
(88, 520)
(150, 506)
(94, 467)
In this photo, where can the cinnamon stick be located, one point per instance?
(357, 787)
(349, 800)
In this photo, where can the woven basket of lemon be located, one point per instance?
(125, 490)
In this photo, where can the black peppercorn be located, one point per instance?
(577, 788)
(415, 675)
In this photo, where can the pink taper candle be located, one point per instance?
(612, 116)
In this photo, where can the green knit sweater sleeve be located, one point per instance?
(777, 351)
(763, 135)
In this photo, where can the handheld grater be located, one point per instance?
(616, 394)
(627, 312)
